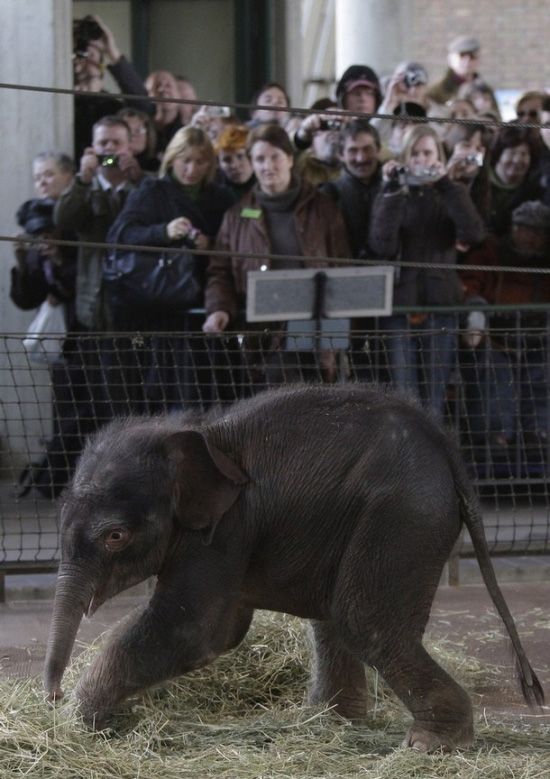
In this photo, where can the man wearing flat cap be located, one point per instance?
(463, 60)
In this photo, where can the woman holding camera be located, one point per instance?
(421, 216)
(182, 209)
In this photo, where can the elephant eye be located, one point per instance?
(116, 539)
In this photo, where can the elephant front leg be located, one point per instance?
(337, 678)
(145, 651)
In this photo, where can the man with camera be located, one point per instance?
(407, 85)
(93, 44)
(108, 171)
(318, 140)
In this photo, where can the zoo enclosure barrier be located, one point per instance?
(490, 387)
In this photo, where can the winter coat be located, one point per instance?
(422, 225)
(145, 217)
(89, 210)
(149, 209)
(319, 227)
(504, 287)
(504, 199)
(355, 199)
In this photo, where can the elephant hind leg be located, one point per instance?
(441, 709)
(338, 677)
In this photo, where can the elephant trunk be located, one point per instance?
(73, 592)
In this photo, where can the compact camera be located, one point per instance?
(412, 78)
(217, 111)
(408, 178)
(330, 124)
(108, 160)
(474, 158)
(84, 31)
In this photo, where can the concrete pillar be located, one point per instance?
(371, 32)
(35, 49)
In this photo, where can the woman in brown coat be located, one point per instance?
(281, 215)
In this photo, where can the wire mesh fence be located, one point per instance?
(490, 387)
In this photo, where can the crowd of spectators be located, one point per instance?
(430, 197)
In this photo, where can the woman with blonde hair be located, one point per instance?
(421, 217)
(181, 209)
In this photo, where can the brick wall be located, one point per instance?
(514, 37)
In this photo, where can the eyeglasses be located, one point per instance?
(531, 114)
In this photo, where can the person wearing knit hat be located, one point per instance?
(234, 166)
(463, 55)
(359, 90)
(532, 214)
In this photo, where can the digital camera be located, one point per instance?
(330, 124)
(84, 31)
(108, 160)
(217, 111)
(408, 178)
(476, 157)
(412, 78)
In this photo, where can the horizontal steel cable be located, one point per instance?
(277, 257)
(255, 106)
(273, 257)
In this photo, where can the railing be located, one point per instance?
(494, 395)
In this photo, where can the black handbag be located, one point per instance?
(165, 281)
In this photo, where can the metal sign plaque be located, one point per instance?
(283, 295)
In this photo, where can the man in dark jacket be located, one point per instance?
(359, 181)
(354, 192)
(89, 207)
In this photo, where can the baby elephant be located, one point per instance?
(338, 504)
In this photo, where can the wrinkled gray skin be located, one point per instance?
(336, 504)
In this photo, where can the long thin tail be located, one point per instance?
(471, 514)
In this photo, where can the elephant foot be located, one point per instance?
(424, 740)
(352, 708)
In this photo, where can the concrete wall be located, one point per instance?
(34, 50)
(514, 37)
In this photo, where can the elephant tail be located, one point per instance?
(471, 516)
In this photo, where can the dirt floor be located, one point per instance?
(463, 620)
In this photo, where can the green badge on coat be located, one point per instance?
(251, 213)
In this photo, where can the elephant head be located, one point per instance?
(136, 488)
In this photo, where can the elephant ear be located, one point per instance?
(206, 484)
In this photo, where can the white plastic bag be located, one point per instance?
(45, 336)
